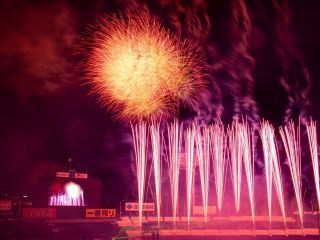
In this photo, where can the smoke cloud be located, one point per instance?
(294, 75)
(37, 47)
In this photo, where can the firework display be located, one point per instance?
(174, 155)
(272, 166)
(313, 143)
(218, 154)
(236, 154)
(142, 71)
(291, 141)
(140, 143)
(203, 155)
(189, 153)
(159, 119)
(157, 163)
(214, 156)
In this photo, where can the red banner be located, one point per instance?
(5, 205)
(39, 213)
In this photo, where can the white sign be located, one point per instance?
(134, 207)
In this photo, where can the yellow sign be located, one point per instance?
(100, 213)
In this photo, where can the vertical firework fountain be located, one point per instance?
(236, 154)
(241, 153)
(291, 141)
(189, 151)
(205, 148)
(204, 157)
(272, 167)
(139, 133)
(219, 162)
(157, 166)
(248, 160)
(174, 147)
(267, 164)
(312, 135)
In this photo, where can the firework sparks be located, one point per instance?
(291, 141)
(312, 135)
(219, 160)
(140, 141)
(264, 133)
(203, 146)
(203, 156)
(141, 70)
(248, 160)
(174, 146)
(189, 148)
(272, 167)
(156, 154)
(236, 154)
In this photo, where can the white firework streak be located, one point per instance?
(139, 134)
(157, 166)
(248, 159)
(203, 156)
(272, 166)
(313, 144)
(291, 142)
(218, 160)
(174, 146)
(189, 149)
(236, 155)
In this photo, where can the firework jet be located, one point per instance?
(140, 70)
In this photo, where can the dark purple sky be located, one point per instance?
(47, 115)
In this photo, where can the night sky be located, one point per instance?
(263, 59)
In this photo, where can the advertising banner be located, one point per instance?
(134, 207)
(100, 213)
(39, 213)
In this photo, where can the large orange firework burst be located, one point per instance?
(142, 71)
